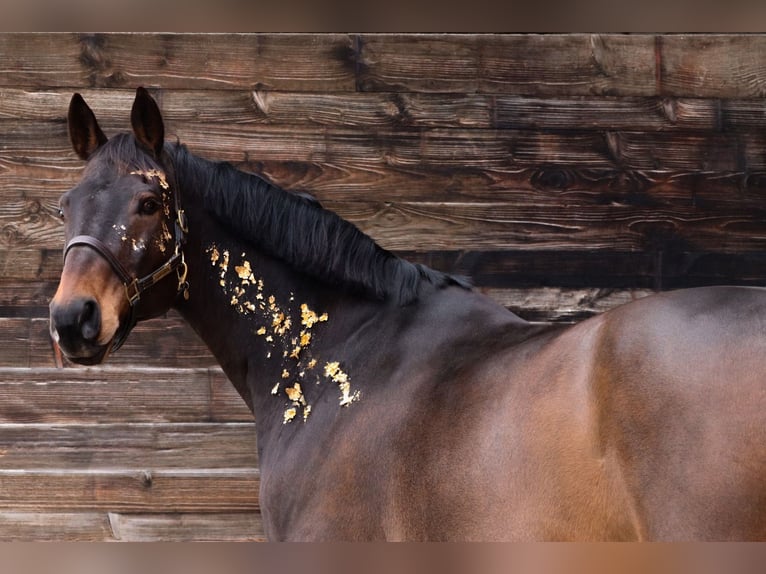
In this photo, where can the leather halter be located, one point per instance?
(134, 286)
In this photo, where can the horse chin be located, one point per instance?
(96, 357)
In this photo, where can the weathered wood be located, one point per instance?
(345, 180)
(572, 219)
(137, 445)
(455, 227)
(551, 65)
(523, 64)
(485, 149)
(113, 526)
(177, 490)
(435, 150)
(712, 65)
(26, 298)
(566, 174)
(225, 403)
(274, 61)
(380, 110)
(231, 527)
(111, 395)
(25, 265)
(55, 527)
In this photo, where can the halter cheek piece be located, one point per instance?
(135, 287)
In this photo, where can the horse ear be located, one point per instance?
(147, 122)
(84, 133)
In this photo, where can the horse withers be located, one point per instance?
(391, 400)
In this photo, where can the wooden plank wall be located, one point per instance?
(564, 173)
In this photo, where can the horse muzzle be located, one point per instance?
(75, 327)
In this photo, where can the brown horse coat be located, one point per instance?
(391, 401)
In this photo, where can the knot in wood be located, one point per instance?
(553, 177)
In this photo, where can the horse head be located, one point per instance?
(124, 234)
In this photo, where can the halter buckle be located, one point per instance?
(133, 292)
(181, 220)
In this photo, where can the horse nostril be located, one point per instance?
(89, 320)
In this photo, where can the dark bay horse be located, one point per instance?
(392, 401)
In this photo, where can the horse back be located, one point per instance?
(646, 422)
(680, 381)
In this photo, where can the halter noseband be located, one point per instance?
(135, 287)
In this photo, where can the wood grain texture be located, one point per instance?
(16, 526)
(34, 526)
(187, 527)
(178, 490)
(121, 445)
(275, 61)
(713, 66)
(559, 214)
(548, 65)
(524, 64)
(428, 150)
(401, 110)
(565, 174)
(111, 395)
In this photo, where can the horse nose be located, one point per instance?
(79, 321)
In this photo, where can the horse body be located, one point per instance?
(411, 407)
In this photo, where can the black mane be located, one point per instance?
(298, 231)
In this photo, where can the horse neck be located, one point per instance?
(268, 325)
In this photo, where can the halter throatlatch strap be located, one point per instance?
(134, 286)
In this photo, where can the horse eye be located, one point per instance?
(60, 213)
(149, 206)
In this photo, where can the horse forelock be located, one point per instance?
(123, 155)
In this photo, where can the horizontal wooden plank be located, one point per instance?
(26, 298)
(178, 490)
(530, 64)
(712, 65)
(112, 526)
(487, 226)
(55, 527)
(522, 64)
(632, 114)
(22, 157)
(16, 348)
(228, 61)
(218, 527)
(114, 394)
(126, 446)
(484, 149)
(402, 110)
(262, 107)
